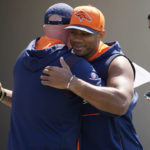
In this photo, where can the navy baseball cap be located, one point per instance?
(64, 11)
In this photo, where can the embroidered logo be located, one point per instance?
(84, 102)
(93, 75)
(81, 14)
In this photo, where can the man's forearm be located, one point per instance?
(8, 99)
(107, 99)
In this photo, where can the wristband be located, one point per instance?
(71, 78)
(2, 95)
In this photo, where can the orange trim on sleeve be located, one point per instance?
(96, 114)
(78, 145)
(102, 48)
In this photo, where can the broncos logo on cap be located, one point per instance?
(81, 14)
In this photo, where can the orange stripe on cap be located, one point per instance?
(96, 114)
(102, 49)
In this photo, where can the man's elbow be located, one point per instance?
(122, 110)
(123, 106)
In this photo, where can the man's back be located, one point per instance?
(44, 117)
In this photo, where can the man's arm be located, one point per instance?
(8, 99)
(115, 98)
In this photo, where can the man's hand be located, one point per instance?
(148, 98)
(0, 87)
(57, 77)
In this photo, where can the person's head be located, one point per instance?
(56, 18)
(86, 30)
(148, 20)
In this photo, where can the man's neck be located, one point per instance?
(101, 49)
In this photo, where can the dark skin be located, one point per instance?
(85, 44)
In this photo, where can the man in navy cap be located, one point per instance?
(43, 117)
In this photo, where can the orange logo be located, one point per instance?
(81, 14)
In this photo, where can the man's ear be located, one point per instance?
(44, 29)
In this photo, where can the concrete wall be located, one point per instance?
(126, 21)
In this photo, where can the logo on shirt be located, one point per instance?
(93, 75)
(81, 14)
(84, 102)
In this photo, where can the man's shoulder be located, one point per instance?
(73, 60)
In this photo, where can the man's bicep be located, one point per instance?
(121, 75)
